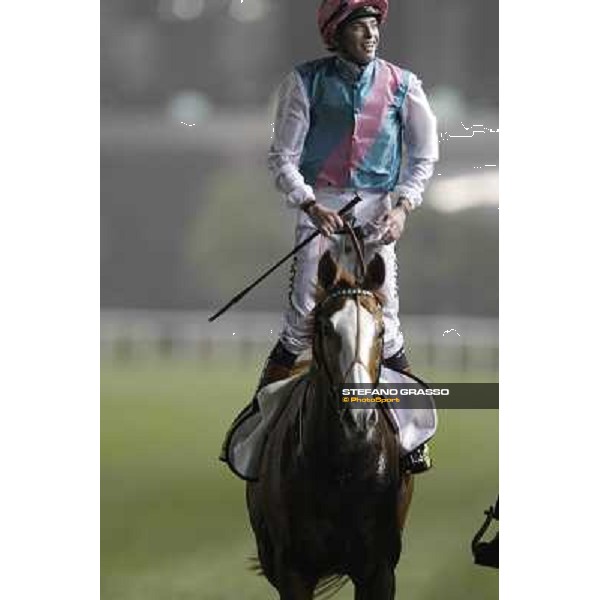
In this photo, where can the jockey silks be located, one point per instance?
(355, 134)
(339, 131)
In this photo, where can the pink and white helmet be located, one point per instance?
(334, 12)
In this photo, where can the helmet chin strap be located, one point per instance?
(349, 58)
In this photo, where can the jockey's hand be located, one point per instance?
(325, 220)
(392, 223)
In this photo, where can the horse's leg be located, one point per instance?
(380, 586)
(405, 493)
(264, 544)
(291, 585)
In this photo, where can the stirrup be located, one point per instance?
(417, 461)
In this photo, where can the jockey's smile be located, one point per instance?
(359, 40)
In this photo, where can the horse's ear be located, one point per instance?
(375, 275)
(328, 271)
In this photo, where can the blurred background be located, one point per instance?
(189, 217)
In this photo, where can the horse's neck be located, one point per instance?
(315, 417)
(318, 415)
(319, 419)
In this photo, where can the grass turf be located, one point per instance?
(173, 518)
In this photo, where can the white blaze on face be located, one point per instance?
(353, 323)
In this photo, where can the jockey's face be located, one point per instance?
(358, 40)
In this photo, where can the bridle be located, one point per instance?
(344, 292)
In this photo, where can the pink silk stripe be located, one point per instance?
(374, 111)
(335, 169)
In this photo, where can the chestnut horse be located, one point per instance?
(324, 507)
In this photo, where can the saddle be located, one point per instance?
(248, 434)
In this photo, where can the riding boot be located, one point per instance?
(278, 366)
(398, 362)
(419, 460)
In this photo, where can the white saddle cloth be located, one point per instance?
(246, 442)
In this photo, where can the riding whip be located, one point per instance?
(301, 245)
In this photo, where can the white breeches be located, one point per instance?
(296, 334)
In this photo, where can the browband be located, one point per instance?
(345, 292)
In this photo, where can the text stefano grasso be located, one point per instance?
(395, 391)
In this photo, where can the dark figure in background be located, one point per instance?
(486, 554)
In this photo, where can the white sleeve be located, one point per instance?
(292, 121)
(421, 142)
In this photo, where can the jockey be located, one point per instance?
(340, 126)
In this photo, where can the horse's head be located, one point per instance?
(348, 329)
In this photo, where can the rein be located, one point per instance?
(357, 248)
(348, 293)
